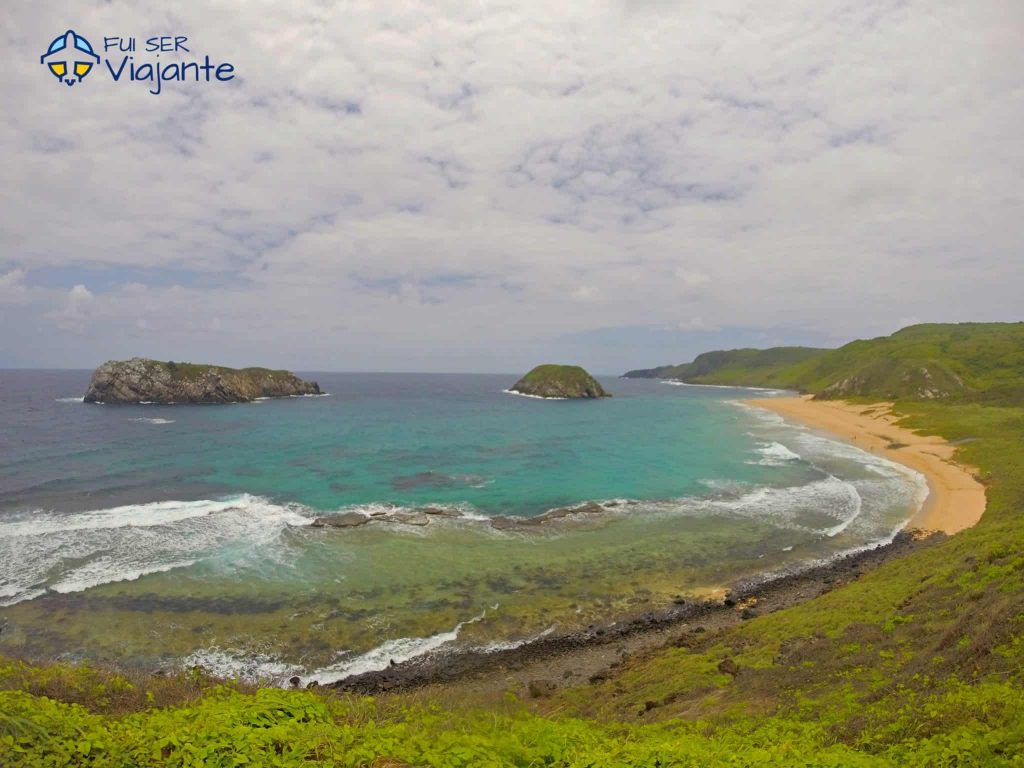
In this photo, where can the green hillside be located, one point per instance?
(559, 381)
(966, 362)
(742, 367)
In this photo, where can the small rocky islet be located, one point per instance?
(141, 380)
(561, 382)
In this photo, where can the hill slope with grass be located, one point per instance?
(559, 382)
(965, 362)
(740, 367)
(918, 663)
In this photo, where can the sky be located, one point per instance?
(484, 186)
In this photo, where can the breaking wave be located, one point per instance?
(776, 454)
(532, 397)
(255, 667)
(44, 551)
(845, 492)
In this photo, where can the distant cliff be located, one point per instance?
(152, 381)
(746, 367)
(559, 381)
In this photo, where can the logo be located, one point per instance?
(70, 58)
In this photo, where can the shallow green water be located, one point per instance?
(181, 534)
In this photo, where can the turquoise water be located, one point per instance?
(195, 520)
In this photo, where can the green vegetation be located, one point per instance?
(742, 367)
(966, 362)
(559, 381)
(918, 663)
(193, 370)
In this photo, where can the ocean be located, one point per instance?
(163, 536)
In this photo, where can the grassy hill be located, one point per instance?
(967, 362)
(559, 381)
(919, 663)
(742, 367)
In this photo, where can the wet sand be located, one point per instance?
(956, 500)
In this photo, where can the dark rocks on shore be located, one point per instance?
(559, 382)
(153, 381)
(772, 595)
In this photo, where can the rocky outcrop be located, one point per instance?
(559, 381)
(343, 520)
(418, 516)
(152, 381)
(581, 511)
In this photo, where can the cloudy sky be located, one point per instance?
(481, 186)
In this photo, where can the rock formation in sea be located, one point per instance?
(153, 381)
(559, 381)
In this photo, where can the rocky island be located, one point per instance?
(153, 381)
(559, 381)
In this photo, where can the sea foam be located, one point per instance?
(775, 454)
(532, 397)
(398, 651)
(70, 552)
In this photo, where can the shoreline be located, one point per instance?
(956, 500)
(540, 667)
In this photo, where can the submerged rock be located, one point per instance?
(153, 381)
(559, 381)
(415, 517)
(504, 523)
(439, 511)
(343, 520)
(419, 517)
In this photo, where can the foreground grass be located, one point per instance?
(919, 663)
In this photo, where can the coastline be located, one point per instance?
(956, 500)
(538, 668)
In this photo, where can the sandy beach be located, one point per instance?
(956, 499)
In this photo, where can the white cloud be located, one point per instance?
(12, 287)
(695, 324)
(483, 177)
(74, 315)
